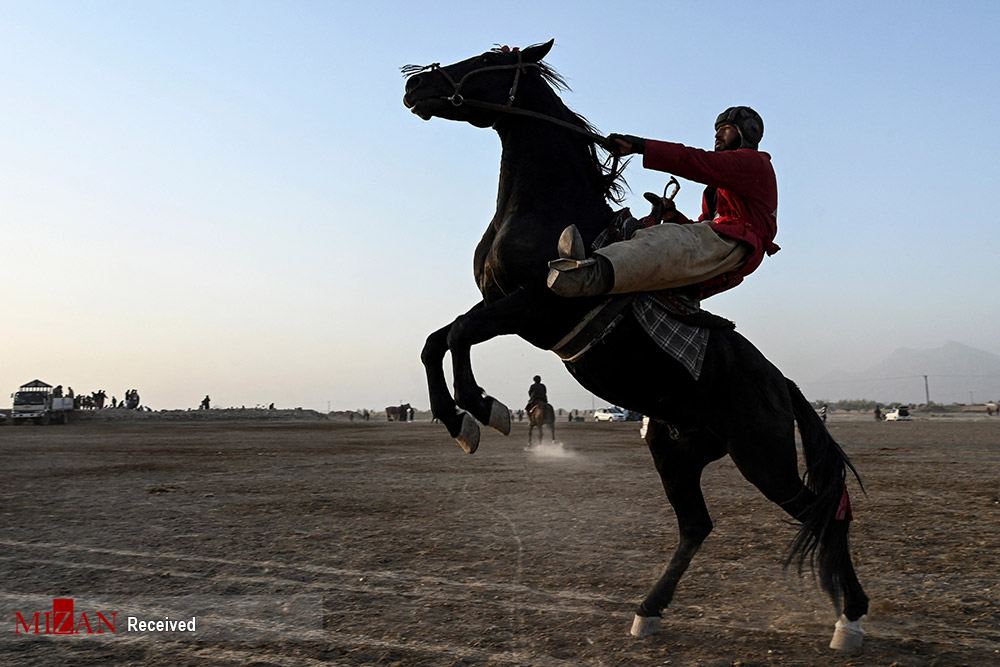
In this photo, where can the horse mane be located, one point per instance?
(611, 168)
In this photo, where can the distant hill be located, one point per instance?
(953, 370)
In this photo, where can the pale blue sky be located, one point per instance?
(230, 198)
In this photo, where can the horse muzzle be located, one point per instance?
(420, 105)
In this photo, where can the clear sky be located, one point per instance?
(229, 198)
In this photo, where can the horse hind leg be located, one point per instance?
(823, 538)
(680, 472)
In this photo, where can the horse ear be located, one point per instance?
(538, 51)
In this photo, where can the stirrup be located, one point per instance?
(568, 264)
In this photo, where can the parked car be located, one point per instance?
(609, 415)
(901, 414)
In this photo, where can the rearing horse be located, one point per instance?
(740, 405)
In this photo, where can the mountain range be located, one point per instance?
(952, 373)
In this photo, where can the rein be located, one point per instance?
(457, 99)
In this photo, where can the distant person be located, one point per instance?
(57, 392)
(822, 413)
(69, 393)
(878, 414)
(206, 403)
(536, 394)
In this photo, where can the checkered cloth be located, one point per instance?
(683, 342)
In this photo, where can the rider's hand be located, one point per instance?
(625, 144)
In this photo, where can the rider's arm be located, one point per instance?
(743, 171)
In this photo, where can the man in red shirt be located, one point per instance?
(728, 241)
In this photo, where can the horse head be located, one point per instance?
(475, 90)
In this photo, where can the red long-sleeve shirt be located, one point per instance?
(746, 205)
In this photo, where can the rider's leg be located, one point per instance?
(658, 257)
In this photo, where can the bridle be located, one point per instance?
(457, 99)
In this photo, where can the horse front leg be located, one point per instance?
(443, 406)
(509, 315)
(465, 332)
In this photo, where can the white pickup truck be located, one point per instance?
(36, 401)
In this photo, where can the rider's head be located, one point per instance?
(537, 378)
(738, 127)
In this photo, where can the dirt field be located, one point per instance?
(307, 542)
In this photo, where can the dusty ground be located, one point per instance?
(302, 542)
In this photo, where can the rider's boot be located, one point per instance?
(574, 274)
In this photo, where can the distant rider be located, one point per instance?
(536, 394)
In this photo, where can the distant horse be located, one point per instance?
(741, 405)
(541, 414)
(397, 413)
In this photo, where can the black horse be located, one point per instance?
(552, 175)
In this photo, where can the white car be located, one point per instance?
(609, 415)
(898, 415)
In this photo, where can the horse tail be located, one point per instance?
(823, 538)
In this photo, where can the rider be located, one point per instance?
(536, 394)
(736, 228)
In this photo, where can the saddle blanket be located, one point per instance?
(684, 342)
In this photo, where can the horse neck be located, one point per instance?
(534, 161)
(544, 166)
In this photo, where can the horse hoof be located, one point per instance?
(468, 436)
(847, 635)
(644, 626)
(500, 417)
